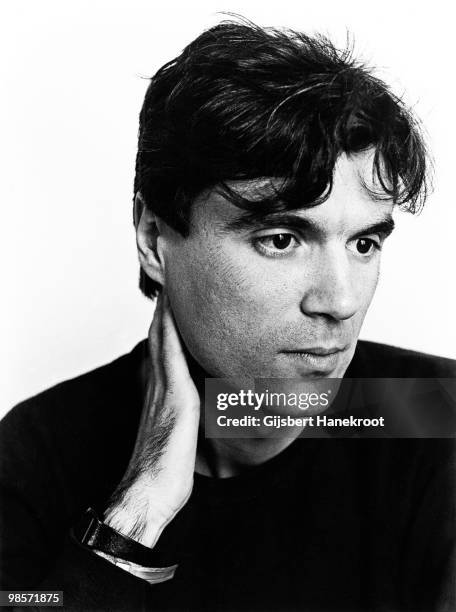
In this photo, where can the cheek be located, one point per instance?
(369, 284)
(365, 285)
(223, 305)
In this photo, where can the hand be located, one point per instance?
(159, 477)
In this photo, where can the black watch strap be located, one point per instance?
(90, 532)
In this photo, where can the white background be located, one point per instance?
(72, 82)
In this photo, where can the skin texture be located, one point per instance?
(244, 307)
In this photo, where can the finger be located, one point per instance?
(155, 341)
(175, 366)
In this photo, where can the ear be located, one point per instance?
(147, 227)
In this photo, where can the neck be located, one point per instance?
(223, 458)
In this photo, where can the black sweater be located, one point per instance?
(328, 525)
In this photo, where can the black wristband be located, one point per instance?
(93, 534)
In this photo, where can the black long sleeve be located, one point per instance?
(329, 524)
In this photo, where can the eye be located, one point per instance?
(365, 246)
(276, 244)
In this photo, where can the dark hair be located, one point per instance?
(244, 102)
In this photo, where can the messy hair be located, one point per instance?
(243, 102)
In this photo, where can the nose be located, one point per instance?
(330, 288)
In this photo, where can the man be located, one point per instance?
(268, 167)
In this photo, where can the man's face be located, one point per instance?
(285, 297)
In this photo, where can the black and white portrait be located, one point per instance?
(207, 209)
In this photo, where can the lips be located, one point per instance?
(318, 360)
(318, 350)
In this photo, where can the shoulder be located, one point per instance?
(98, 390)
(90, 415)
(69, 445)
(376, 360)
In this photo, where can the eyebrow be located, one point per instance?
(250, 221)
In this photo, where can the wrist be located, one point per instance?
(92, 533)
(135, 522)
(132, 513)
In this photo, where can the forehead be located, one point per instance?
(355, 201)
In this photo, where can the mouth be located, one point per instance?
(319, 350)
(319, 359)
